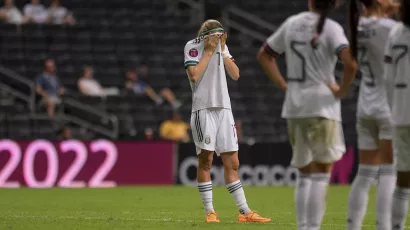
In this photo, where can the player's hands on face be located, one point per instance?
(211, 42)
(224, 37)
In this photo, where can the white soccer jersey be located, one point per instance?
(211, 90)
(372, 38)
(398, 71)
(309, 71)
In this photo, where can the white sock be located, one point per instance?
(385, 189)
(316, 203)
(205, 189)
(359, 196)
(301, 197)
(400, 207)
(236, 190)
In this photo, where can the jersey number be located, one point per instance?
(403, 50)
(294, 47)
(362, 53)
(219, 57)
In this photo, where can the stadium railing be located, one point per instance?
(232, 17)
(103, 118)
(18, 86)
(197, 8)
(99, 121)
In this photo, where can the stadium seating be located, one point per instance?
(113, 35)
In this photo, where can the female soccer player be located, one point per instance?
(312, 44)
(213, 126)
(374, 128)
(397, 70)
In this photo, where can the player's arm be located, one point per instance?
(230, 65)
(338, 43)
(268, 53)
(196, 71)
(267, 59)
(231, 68)
(349, 74)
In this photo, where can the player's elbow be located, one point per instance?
(193, 74)
(193, 78)
(235, 76)
(351, 65)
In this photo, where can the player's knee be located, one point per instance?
(233, 165)
(205, 160)
(205, 165)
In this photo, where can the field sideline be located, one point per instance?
(157, 208)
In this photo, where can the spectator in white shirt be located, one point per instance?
(35, 12)
(58, 14)
(90, 87)
(10, 14)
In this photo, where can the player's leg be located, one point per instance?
(387, 181)
(227, 147)
(201, 123)
(402, 191)
(301, 159)
(327, 145)
(204, 179)
(234, 186)
(302, 193)
(369, 161)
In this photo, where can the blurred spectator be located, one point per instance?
(49, 87)
(90, 87)
(134, 85)
(174, 129)
(58, 14)
(65, 134)
(10, 14)
(142, 75)
(35, 12)
(149, 134)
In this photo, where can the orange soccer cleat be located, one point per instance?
(211, 217)
(253, 217)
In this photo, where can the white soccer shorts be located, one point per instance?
(214, 130)
(401, 148)
(315, 140)
(370, 131)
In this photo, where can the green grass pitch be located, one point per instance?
(158, 208)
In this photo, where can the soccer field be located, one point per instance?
(157, 208)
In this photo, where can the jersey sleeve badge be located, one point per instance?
(193, 52)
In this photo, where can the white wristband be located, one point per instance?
(225, 54)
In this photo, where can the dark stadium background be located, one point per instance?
(111, 133)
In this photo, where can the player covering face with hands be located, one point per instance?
(206, 59)
(312, 43)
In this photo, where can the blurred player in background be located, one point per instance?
(212, 123)
(397, 71)
(312, 44)
(374, 127)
